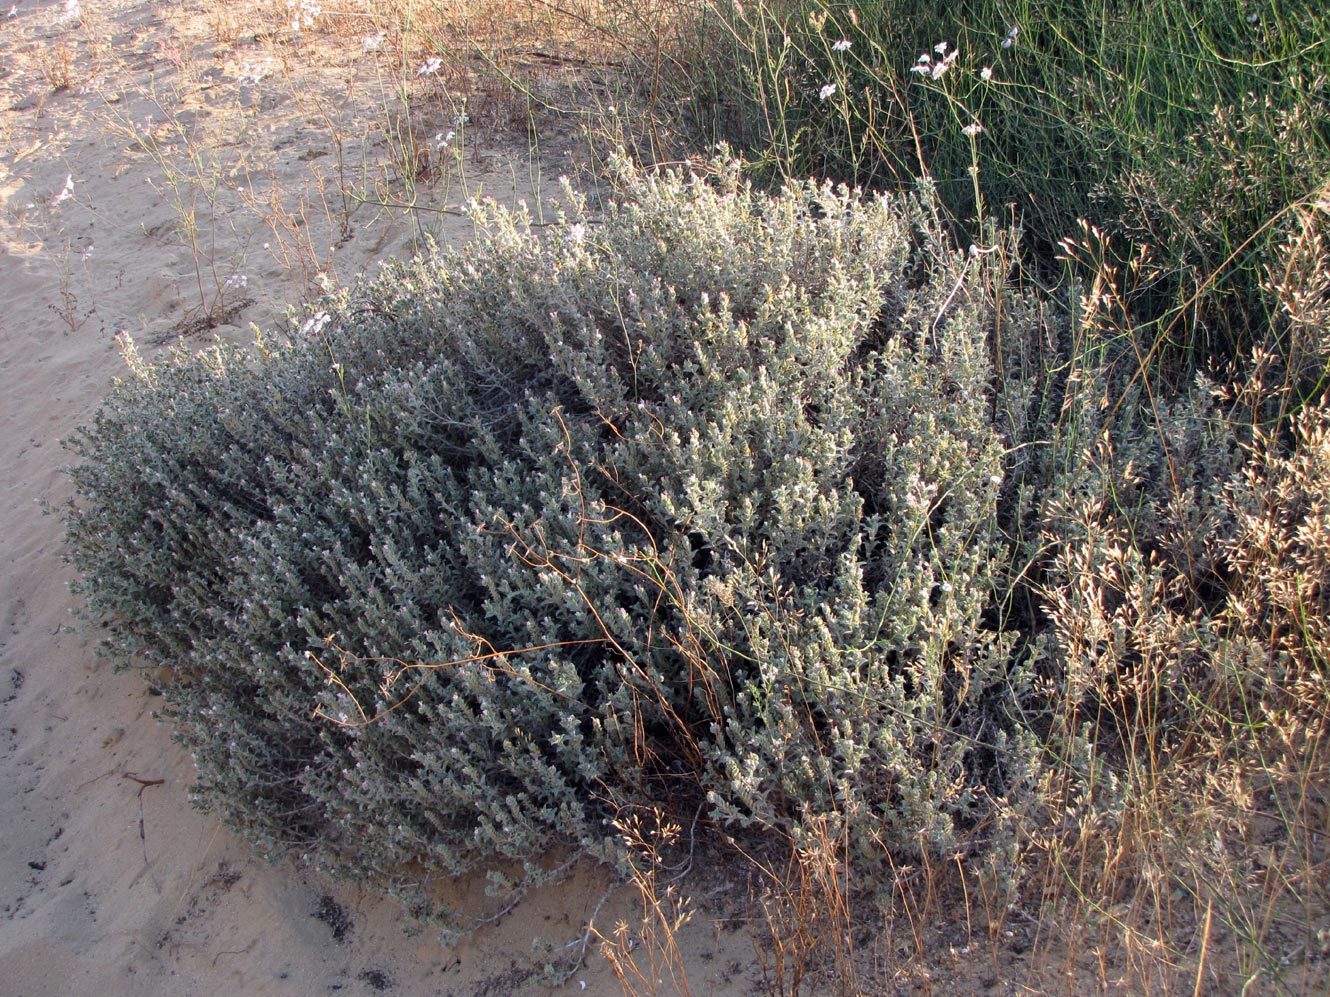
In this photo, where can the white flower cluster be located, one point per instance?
(254, 72)
(934, 69)
(303, 13)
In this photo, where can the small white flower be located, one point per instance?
(1252, 18)
(946, 586)
(237, 280)
(841, 46)
(972, 129)
(826, 91)
(303, 13)
(372, 43)
(254, 72)
(461, 120)
(430, 66)
(86, 255)
(986, 73)
(1012, 32)
(311, 326)
(441, 140)
(66, 193)
(925, 65)
(995, 479)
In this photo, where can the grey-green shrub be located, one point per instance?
(693, 503)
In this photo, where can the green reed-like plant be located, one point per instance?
(1184, 132)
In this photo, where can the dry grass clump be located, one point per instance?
(1182, 573)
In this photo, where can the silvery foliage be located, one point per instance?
(693, 502)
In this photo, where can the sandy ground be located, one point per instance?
(110, 882)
